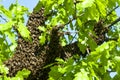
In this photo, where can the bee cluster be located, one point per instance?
(100, 32)
(24, 56)
(54, 45)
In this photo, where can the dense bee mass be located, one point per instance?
(100, 32)
(25, 52)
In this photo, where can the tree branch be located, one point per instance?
(108, 39)
(114, 22)
(3, 18)
(112, 11)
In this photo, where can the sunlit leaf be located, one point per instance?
(101, 7)
(60, 60)
(23, 30)
(6, 26)
(83, 75)
(24, 73)
(87, 3)
(6, 12)
(42, 38)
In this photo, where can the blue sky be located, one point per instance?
(30, 4)
(118, 11)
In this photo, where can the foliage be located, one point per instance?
(19, 76)
(103, 59)
(14, 16)
(75, 15)
(97, 65)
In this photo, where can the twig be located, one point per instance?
(108, 39)
(110, 71)
(3, 18)
(73, 38)
(112, 10)
(75, 2)
(69, 32)
(70, 21)
(114, 22)
(74, 17)
(61, 26)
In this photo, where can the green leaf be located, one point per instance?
(69, 76)
(107, 77)
(61, 61)
(17, 9)
(117, 59)
(70, 61)
(60, 2)
(102, 7)
(23, 30)
(102, 47)
(3, 69)
(24, 73)
(54, 21)
(11, 36)
(6, 26)
(63, 42)
(48, 5)
(83, 44)
(13, 47)
(83, 75)
(116, 77)
(91, 43)
(87, 3)
(6, 12)
(62, 69)
(54, 74)
(71, 26)
(38, 6)
(42, 38)
(79, 22)
(42, 28)
(16, 78)
(93, 13)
